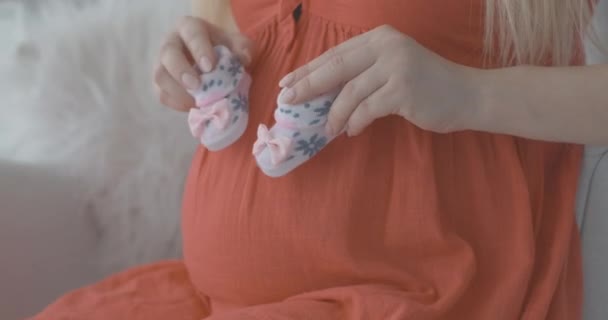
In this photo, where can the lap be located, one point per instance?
(157, 291)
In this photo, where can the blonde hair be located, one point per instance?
(522, 31)
(534, 31)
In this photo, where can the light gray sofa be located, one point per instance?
(593, 220)
(592, 207)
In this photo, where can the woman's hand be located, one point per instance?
(385, 72)
(192, 43)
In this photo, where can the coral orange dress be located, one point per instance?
(397, 223)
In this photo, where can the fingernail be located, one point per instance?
(205, 64)
(246, 58)
(190, 81)
(286, 81)
(288, 96)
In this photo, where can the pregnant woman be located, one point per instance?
(441, 185)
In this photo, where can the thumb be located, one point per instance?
(242, 47)
(238, 43)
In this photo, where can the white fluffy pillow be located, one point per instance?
(84, 106)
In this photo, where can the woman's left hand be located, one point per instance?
(384, 72)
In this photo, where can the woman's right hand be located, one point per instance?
(192, 43)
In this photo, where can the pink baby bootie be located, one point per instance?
(298, 134)
(222, 103)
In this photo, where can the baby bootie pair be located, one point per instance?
(221, 116)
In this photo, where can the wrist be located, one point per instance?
(479, 88)
(493, 90)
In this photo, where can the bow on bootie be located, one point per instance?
(217, 113)
(278, 146)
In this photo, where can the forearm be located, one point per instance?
(566, 104)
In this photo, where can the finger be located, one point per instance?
(328, 55)
(335, 72)
(193, 32)
(239, 44)
(176, 63)
(351, 96)
(168, 101)
(371, 108)
(170, 92)
(242, 47)
(166, 82)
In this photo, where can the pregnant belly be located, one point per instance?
(250, 239)
(242, 270)
(251, 262)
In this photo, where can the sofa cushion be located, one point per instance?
(592, 216)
